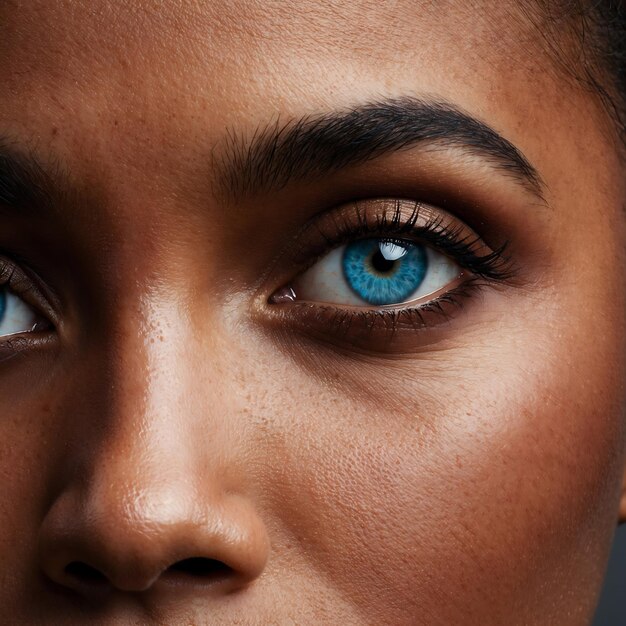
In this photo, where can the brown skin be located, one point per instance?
(470, 472)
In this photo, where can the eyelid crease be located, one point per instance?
(400, 219)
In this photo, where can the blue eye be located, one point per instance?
(376, 272)
(381, 272)
(15, 315)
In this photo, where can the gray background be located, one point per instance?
(612, 608)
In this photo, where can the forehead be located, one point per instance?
(296, 54)
(238, 31)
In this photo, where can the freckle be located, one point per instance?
(55, 130)
(115, 123)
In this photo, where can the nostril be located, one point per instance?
(199, 567)
(85, 574)
(196, 570)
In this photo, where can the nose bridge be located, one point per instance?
(157, 410)
(148, 362)
(143, 389)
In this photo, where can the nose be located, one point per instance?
(152, 492)
(128, 539)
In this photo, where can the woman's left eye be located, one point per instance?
(376, 272)
(15, 315)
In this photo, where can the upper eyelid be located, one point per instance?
(405, 218)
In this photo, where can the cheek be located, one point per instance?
(29, 441)
(491, 498)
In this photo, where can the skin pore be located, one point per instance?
(194, 432)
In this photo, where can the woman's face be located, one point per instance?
(313, 314)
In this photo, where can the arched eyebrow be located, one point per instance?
(313, 146)
(307, 148)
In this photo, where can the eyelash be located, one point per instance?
(495, 265)
(361, 221)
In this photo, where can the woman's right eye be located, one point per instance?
(16, 316)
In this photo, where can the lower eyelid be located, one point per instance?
(391, 330)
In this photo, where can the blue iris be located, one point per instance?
(3, 303)
(382, 272)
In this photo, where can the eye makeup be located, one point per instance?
(360, 232)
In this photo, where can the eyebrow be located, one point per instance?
(26, 183)
(313, 146)
(309, 147)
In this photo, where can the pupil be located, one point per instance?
(381, 264)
